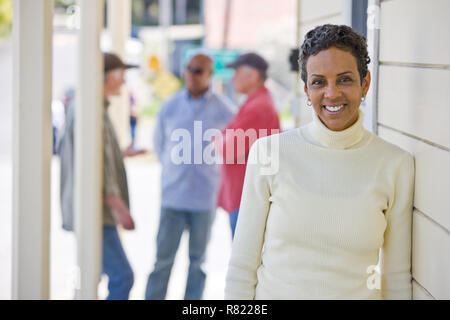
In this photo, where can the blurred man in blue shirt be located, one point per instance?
(189, 182)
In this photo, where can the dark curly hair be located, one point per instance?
(330, 35)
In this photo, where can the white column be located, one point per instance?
(119, 27)
(347, 6)
(32, 147)
(165, 21)
(296, 102)
(373, 39)
(88, 149)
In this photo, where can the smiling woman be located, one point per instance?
(314, 229)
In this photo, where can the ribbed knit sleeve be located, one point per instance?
(396, 250)
(249, 237)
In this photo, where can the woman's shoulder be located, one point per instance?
(388, 149)
(391, 158)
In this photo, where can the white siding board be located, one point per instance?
(419, 293)
(430, 256)
(416, 101)
(415, 31)
(432, 181)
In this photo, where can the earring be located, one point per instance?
(363, 99)
(309, 103)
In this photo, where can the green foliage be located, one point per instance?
(285, 112)
(64, 3)
(152, 109)
(5, 17)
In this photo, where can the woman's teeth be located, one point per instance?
(334, 109)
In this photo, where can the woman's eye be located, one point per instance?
(316, 82)
(345, 80)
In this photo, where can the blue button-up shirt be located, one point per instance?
(188, 182)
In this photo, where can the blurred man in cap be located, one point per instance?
(116, 206)
(258, 112)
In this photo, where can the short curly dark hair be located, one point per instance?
(339, 36)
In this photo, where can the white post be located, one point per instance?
(296, 104)
(32, 147)
(88, 150)
(347, 6)
(373, 39)
(165, 21)
(119, 26)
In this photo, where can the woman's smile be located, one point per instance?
(334, 109)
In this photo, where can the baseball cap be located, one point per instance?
(250, 59)
(112, 61)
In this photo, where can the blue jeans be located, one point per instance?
(133, 123)
(171, 226)
(116, 266)
(233, 215)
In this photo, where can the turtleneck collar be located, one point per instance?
(337, 139)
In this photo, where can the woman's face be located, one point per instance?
(334, 87)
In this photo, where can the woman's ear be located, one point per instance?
(366, 83)
(305, 88)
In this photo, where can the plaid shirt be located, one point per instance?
(114, 175)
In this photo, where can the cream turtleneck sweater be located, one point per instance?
(314, 229)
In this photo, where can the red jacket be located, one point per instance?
(257, 112)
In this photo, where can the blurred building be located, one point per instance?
(263, 26)
(167, 28)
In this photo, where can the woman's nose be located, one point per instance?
(332, 92)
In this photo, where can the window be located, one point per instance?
(145, 12)
(186, 11)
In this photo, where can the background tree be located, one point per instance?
(5, 17)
